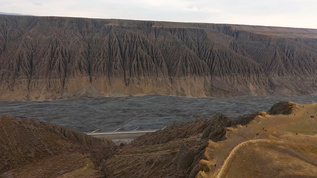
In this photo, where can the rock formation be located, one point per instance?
(50, 57)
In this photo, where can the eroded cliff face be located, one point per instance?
(50, 58)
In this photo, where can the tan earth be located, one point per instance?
(269, 146)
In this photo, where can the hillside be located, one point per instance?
(274, 144)
(30, 148)
(278, 143)
(44, 58)
(37, 149)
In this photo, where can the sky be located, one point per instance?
(286, 13)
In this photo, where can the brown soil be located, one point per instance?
(172, 152)
(30, 148)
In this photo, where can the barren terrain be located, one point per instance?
(45, 58)
(278, 143)
(30, 148)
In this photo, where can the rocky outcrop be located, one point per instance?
(283, 107)
(49, 58)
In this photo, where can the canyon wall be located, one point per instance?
(44, 58)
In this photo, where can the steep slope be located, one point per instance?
(30, 148)
(49, 58)
(172, 152)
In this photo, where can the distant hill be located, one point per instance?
(50, 57)
(5, 13)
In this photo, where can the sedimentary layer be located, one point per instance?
(50, 57)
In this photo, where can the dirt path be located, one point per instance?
(231, 155)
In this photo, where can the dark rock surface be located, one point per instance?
(49, 58)
(283, 107)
